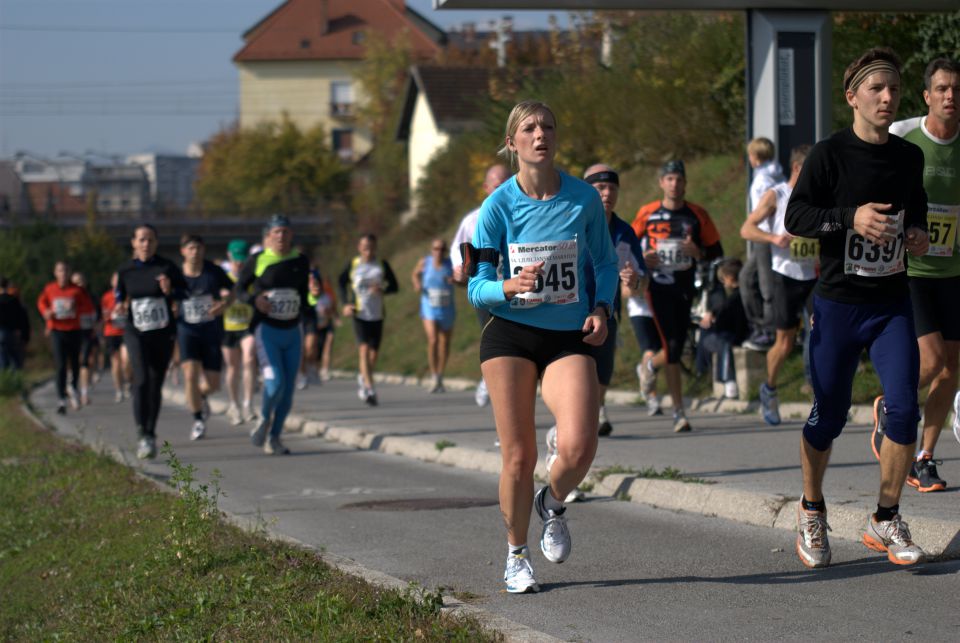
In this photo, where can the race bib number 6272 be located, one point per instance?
(558, 283)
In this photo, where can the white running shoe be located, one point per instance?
(118, 396)
(518, 574)
(956, 416)
(555, 539)
(301, 381)
(199, 428)
(324, 375)
(273, 446)
(482, 397)
(648, 377)
(147, 448)
(730, 390)
(653, 405)
(74, 398)
(249, 414)
(233, 415)
(574, 496)
(551, 447)
(361, 388)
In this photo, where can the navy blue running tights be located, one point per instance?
(840, 333)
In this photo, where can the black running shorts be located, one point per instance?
(936, 306)
(368, 332)
(504, 338)
(789, 298)
(232, 338)
(648, 338)
(606, 352)
(201, 343)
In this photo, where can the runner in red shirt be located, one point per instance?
(114, 321)
(62, 304)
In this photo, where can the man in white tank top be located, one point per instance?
(794, 261)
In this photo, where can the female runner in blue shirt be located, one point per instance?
(545, 225)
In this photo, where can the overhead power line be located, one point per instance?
(105, 29)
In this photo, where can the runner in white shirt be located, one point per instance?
(794, 263)
(495, 176)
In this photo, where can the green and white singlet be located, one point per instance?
(941, 180)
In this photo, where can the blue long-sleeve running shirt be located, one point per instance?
(565, 231)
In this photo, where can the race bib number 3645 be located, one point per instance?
(558, 283)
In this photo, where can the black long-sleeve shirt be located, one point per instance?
(13, 316)
(283, 279)
(842, 173)
(137, 282)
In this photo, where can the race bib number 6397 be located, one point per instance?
(867, 259)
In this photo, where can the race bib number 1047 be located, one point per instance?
(558, 283)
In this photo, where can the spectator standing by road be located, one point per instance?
(14, 328)
(756, 282)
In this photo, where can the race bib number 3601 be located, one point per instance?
(558, 283)
(866, 259)
(149, 313)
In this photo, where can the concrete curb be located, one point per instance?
(859, 413)
(939, 538)
(512, 631)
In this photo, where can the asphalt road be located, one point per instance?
(635, 573)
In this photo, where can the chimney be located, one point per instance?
(324, 18)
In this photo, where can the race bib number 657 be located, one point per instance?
(558, 283)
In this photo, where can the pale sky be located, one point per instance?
(125, 76)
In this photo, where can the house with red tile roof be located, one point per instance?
(301, 60)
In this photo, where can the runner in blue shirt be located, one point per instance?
(546, 226)
(433, 278)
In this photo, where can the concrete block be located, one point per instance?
(751, 367)
(314, 429)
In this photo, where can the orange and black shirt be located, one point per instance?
(662, 230)
(68, 305)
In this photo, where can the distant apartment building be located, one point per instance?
(301, 59)
(54, 187)
(119, 190)
(170, 178)
(68, 187)
(13, 196)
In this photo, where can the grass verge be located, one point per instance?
(90, 551)
(667, 473)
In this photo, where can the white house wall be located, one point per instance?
(302, 89)
(426, 140)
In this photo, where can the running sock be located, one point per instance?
(887, 513)
(820, 505)
(550, 503)
(198, 416)
(516, 550)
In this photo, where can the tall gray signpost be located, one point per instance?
(788, 54)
